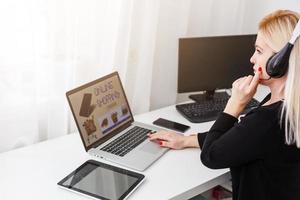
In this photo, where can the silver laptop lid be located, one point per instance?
(100, 109)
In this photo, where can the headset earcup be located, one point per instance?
(278, 64)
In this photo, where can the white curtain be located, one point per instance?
(50, 46)
(46, 48)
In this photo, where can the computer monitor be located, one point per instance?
(210, 63)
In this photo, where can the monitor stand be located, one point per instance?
(209, 95)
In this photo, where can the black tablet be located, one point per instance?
(102, 181)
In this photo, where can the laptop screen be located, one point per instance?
(99, 108)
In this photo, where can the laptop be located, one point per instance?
(106, 125)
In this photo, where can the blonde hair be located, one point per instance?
(277, 29)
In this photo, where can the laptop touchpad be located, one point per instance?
(151, 147)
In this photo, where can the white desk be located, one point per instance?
(33, 172)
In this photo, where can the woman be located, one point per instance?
(262, 149)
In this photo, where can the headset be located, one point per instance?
(277, 65)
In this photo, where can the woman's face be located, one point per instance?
(260, 57)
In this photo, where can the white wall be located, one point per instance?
(216, 18)
(279, 4)
(172, 24)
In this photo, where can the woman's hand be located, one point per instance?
(174, 140)
(243, 89)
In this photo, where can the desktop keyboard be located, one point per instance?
(128, 141)
(208, 110)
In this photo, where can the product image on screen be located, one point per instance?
(102, 181)
(99, 108)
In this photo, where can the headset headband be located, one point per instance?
(277, 65)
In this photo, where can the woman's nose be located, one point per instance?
(252, 59)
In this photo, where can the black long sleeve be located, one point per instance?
(262, 165)
(201, 138)
(229, 143)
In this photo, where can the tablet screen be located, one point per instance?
(102, 181)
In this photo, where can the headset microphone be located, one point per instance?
(277, 64)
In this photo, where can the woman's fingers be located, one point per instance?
(236, 82)
(159, 136)
(168, 139)
(249, 83)
(254, 82)
(170, 144)
(166, 144)
(246, 82)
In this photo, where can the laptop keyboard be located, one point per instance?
(128, 141)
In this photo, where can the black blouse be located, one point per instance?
(262, 166)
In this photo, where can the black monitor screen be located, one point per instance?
(209, 63)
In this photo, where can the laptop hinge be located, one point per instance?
(92, 152)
